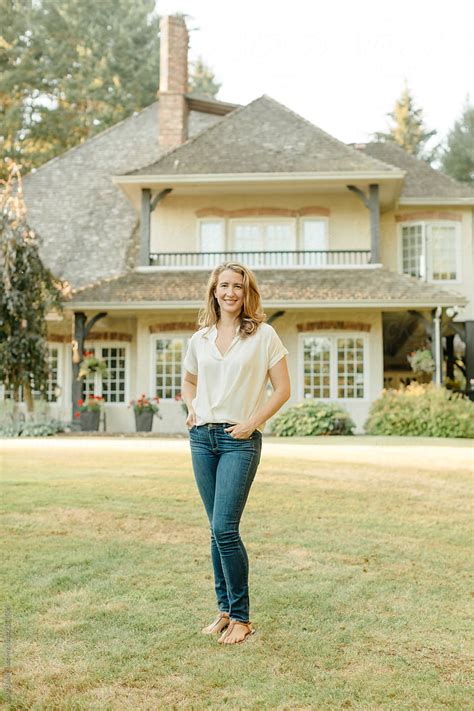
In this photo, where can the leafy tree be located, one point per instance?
(202, 80)
(69, 69)
(408, 128)
(28, 290)
(458, 157)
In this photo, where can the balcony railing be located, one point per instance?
(285, 258)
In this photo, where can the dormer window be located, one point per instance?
(431, 251)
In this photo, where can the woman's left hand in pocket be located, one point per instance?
(243, 430)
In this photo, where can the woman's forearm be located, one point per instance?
(188, 393)
(273, 404)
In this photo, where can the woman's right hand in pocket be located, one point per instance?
(191, 419)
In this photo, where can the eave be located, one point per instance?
(390, 183)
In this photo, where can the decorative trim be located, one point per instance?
(263, 212)
(333, 325)
(428, 215)
(172, 326)
(109, 336)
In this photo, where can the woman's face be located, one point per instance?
(229, 292)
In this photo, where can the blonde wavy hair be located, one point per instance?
(251, 315)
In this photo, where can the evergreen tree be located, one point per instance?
(28, 290)
(69, 69)
(408, 128)
(202, 80)
(458, 157)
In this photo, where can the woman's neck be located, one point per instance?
(226, 321)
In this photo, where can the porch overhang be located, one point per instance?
(390, 183)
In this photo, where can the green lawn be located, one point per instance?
(359, 587)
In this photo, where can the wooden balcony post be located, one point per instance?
(374, 208)
(145, 228)
(372, 204)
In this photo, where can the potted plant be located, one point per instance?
(145, 408)
(90, 364)
(422, 363)
(89, 413)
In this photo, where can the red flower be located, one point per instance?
(80, 402)
(77, 414)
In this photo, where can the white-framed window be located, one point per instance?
(56, 373)
(211, 239)
(264, 235)
(314, 237)
(114, 387)
(168, 354)
(333, 366)
(431, 250)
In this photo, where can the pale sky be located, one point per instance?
(339, 64)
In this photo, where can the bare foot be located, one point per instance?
(219, 624)
(236, 632)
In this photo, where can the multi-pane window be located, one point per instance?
(314, 238)
(350, 367)
(431, 250)
(112, 387)
(317, 357)
(264, 236)
(169, 354)
(333, 367)
(53, 380)
(211, 239)
(413, 261)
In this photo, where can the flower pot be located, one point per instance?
(144, 421)
(89, 421)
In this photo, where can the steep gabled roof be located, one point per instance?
(86, 223)
(319, 286)
(263, 137)
(420, 180)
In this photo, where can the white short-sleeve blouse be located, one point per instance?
(231, 387)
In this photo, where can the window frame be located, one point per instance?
(427, 249)
(333, 335)
(186, 336)
(97, 377)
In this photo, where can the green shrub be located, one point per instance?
(312, 417)
(32, 429)
(421, 410)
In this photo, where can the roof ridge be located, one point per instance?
(327, 135)
(191, 140)
(34, 171)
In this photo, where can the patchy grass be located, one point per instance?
(359, 589)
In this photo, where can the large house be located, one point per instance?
(362, 252)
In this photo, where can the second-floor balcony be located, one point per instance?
(316, 259)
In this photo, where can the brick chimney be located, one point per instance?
(174, 40)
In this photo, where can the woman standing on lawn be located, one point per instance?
(226, 369)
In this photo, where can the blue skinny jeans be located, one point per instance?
(224, 469)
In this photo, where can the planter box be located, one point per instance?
(144, 421)
(89, 421)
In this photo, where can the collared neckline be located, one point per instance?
(213, 333)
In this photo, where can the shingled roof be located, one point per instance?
(263, 137)
(420, 180)
(86, 223)
(371, 286)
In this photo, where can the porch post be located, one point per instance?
(374, 208)
(373, 205)
(145, 228)
(81, 332)
(469, 326)
(436, 345)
